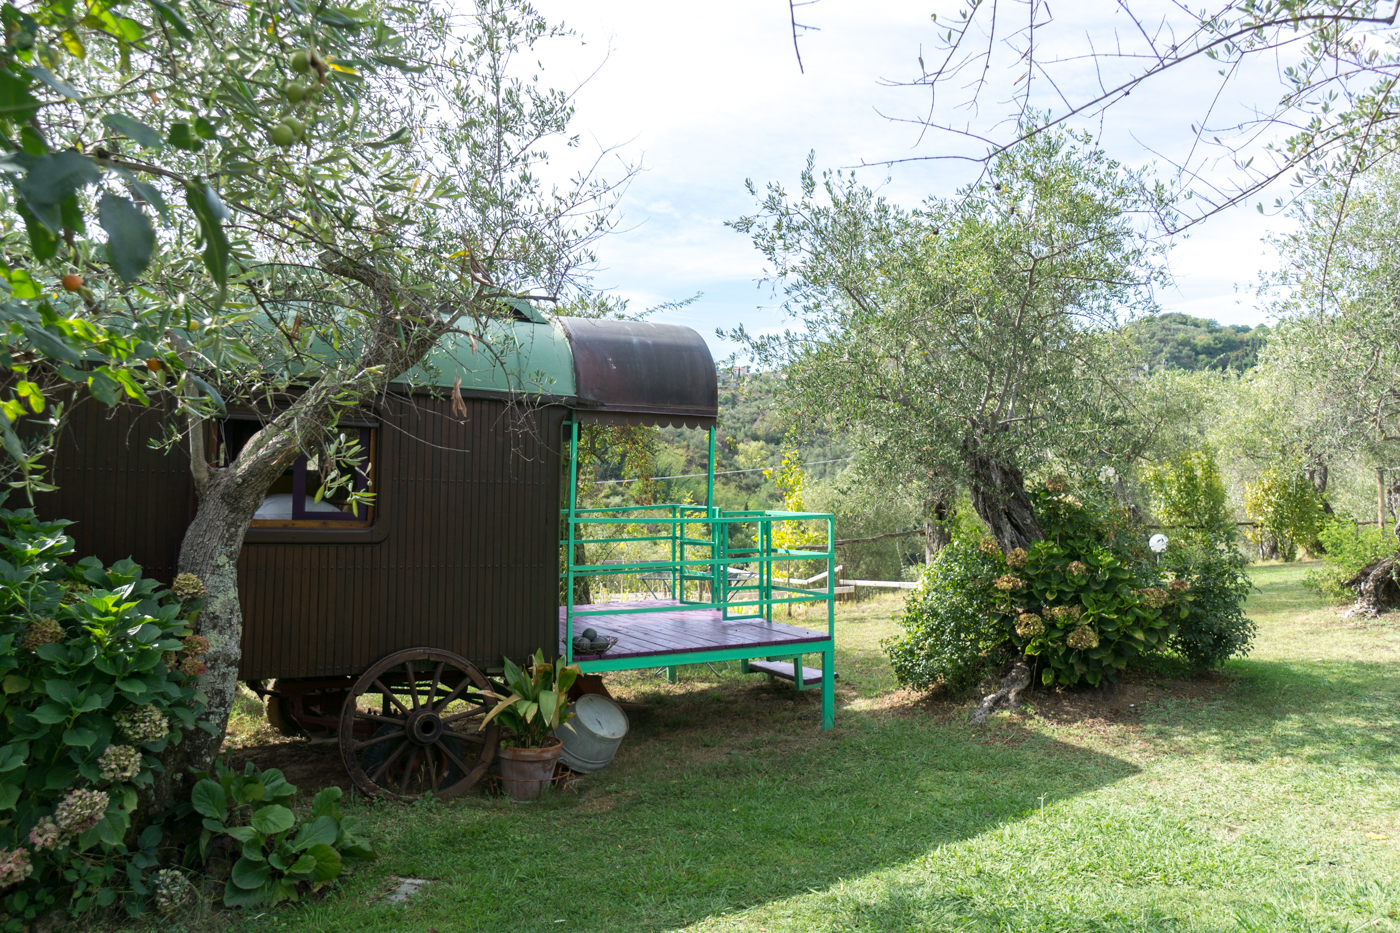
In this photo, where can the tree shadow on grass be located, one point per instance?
(1327, 712)
(727, 800)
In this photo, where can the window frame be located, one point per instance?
(302, 519)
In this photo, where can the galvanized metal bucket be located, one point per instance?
(592, 736)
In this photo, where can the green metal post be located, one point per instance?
(569, 564)
(710, 482)
(672, 675)
(797, 671)
(828, 689)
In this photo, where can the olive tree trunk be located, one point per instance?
(228, 499)
(999, 496)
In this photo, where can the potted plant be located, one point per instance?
(530, 713)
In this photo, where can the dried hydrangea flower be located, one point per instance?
(1057, 483)
(1153, 597)
(171, 659)
(80, 811)
(989, 547)
(45, 835)
(14, 866)
(1030, 625)
(142, 724)
(119, 763)
(45, 631)
(172, 889)
(196, 644)
(188, 586)
(1006, 583)
(1083, 638)
(1077, 568)
(192, 667)
(1016, 558)
(1179, 586)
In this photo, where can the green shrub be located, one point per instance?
(1083, 603)
(1213, 628)
(1088, 599)
(950, 638)
(99, 672)
(278, 857)
(1187, 492)
(1349, 549)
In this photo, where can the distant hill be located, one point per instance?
(1180, 341)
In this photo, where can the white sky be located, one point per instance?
(707, 95)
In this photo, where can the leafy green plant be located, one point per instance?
(1348, 549)
(99, 670)
(1086, 600)
(1286, 508)
(534, 708)
(1213, 627)
(950, 638)
(278, 856)
(1188, 493)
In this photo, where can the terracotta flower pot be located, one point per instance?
(525, 771)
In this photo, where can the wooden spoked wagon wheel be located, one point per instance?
(412, 724)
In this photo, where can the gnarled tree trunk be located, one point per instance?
(999, 496)
(1377, 589)
(938, 531)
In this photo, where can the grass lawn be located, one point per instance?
(1263, 799)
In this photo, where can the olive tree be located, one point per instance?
(299, 203)
(1337, 290)
(968, 339)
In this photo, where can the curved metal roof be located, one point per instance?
(634, 372)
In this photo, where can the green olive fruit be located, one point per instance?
(296, 92)
(295, 125)
(301, 61)
(282, 135)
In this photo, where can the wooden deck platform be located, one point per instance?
(680, 630)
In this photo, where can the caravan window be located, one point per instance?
(297, 498)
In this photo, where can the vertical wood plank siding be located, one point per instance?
(468, 561)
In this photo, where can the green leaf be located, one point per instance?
(17, 104)
(55, 177)
(328, 862)
(80, 737)
(130, 237)
(211, 213)
(14, 683)
(130, 685)
(234, 896)
(249, 875)
(43, 241)
(320, 831)
(170, 12)
(208, 799)
(50, 714)
(55, 82)
(9, 796)
(182, 136)
(303, 865)
(209, 391)
(273, 819)
(324, 803)
(13, 756)
(246, 834)
(135, 130)
(49, 345)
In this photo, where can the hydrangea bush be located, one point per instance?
(1082, 603)
(99, 671)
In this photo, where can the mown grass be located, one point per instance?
(1265, 800)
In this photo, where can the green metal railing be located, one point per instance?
(700, 556)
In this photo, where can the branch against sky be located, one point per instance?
(1331, 67)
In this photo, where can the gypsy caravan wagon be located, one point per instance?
(381, 622)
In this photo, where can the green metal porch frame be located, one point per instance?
(705, 560)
